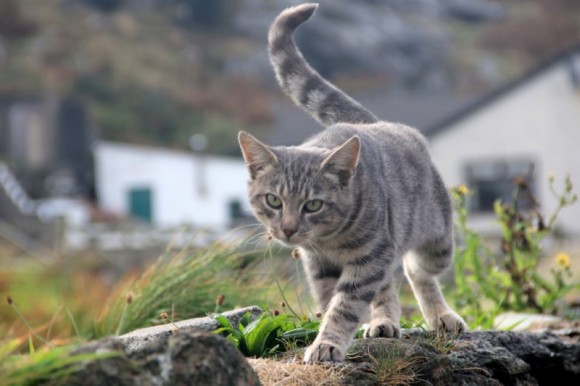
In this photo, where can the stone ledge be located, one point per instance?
(135, 340)
(194, 355)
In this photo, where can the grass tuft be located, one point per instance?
(394, 367)
(185, 284)
(50, 364)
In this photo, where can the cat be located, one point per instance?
(359, 199)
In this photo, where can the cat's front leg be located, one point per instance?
(350, 304)
(336, 331)
(322, 276)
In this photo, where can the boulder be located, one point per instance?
(184, 358)
(477, 357)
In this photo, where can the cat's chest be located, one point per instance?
(336, 253)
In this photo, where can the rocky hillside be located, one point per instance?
(185, 354)
(153, 71)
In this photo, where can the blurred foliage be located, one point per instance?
(118, 109)
(13, 24)
(521, 35)
(67, 300)
(144, 75)
(487, 282)
(51, 297)
(106, 5)
(213, 14)
(155, 73)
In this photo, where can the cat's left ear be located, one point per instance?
(258, 157)
(342, 161)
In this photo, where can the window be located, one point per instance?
(493, 180)
(236, 210)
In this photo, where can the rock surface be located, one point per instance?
(189, 355)
(135, 340)
(473, 358)
(184, 358)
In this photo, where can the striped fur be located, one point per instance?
(360, 199)
(305, 86)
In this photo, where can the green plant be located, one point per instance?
(181, 284)
(269, 334)
(488, 283)
(184, 285)
(50, 364)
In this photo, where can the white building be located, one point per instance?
(169, 188)
(533, 121)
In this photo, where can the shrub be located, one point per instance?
(488, 283)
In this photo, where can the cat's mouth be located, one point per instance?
(294, 240)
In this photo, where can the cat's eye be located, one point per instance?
(273, 201)
(313, 206)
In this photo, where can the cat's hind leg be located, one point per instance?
(422, 266)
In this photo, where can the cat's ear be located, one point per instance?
(342, 162)
(258, 156)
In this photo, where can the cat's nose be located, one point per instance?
(289, 231)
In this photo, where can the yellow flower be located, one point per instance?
(462, 189)
(563, 260)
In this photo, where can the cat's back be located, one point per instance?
(381, 139)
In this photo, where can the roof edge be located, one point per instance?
(499, 92)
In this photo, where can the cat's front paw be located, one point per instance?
(323, 352)
(451, 322)
(382, 328)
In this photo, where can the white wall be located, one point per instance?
(173, 177)
(539, 120)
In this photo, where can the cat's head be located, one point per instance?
(300, 194)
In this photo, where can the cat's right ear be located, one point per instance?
(259, 158)
(341, 163)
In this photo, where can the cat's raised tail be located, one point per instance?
(323, 101)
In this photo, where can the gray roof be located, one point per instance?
(430, 113)
(498, 93)
(422, 111)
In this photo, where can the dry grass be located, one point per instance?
(390, 366)
(394, 368)
(274, 373)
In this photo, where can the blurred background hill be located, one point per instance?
(119, 121)
(133, 106)
(153, 71)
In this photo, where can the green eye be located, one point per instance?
(313, 206)
(273, 201)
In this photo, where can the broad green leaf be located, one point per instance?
(299, 333)
(224, 322)
(262, 331)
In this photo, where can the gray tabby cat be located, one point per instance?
(359, 199)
